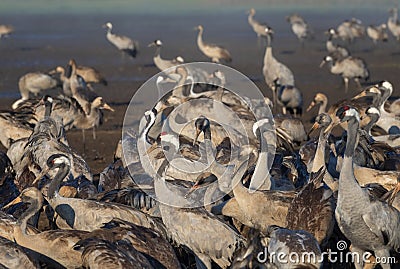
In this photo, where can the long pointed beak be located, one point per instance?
(314, 127)
(107, 107)
(13, 202)
(151, 45)
(322, 64)
(192, 189)
(311, 106)
(42, 174)
(198, 131)
(394, 193)
(330, 127)
(52, 72)
(361, 94)
(152, 148)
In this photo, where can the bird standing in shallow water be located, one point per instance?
(123, 43)
(210, 50)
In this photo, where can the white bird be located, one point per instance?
(210, 50)
(123, 43)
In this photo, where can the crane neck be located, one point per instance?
(269, 41)
(348, 185)
(158, 52)
(373, 119)
(382, 100)
(200, 39)
(322, 107)
(48, 108)
(250, 19)
(62, 172)
(319, 159)
(352, 137)
(147, 129)
(33, 207)
(268, 54)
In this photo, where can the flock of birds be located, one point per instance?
(320, 190)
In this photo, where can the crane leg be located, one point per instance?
(346, 84)
(94, 132)
(357, 80)
(274, 100)
(284, 110)
(84, 141)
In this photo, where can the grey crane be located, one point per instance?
(14, 126)
(335, 50)
(56, 244)
(164, 64)
(123, 43)
(299, 27)
(210, 238)
(374, 115)
(34, 83)
(350, 29)
(5, 30)
(273, 69)
(349, 68)
(14, 256)
(286, 242)
(87, 215)
(370, 225)
(388, 120)
(290, 98)
(377, 33)
(259, 28)
(393, 23)
(380, 93)
(212, 51)
(314, 198)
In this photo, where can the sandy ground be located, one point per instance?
(42, 42)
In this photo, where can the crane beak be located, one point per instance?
(360, 95)
(13, 202)
(313, 128)
(107, 107)
(394, 193)
(322, 64)
(330, 127)
(192, 189)
(42, 174)
(311, 106)
(151, 45)
(152, 148)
